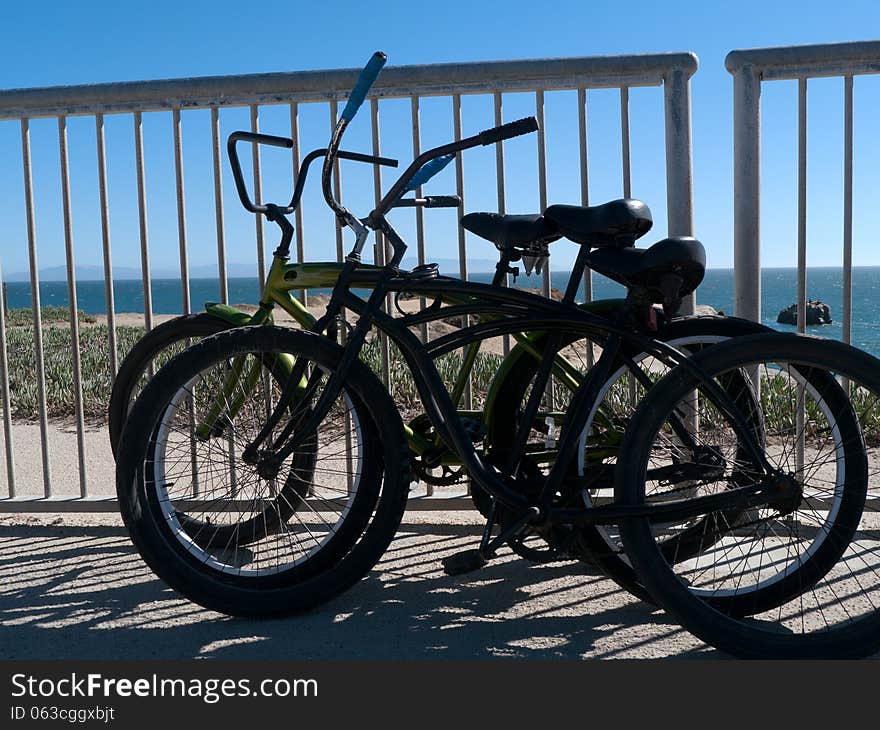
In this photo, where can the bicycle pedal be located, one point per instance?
(466, 561)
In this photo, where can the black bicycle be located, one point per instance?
(747, 463)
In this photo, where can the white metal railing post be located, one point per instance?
(219, 223)
(105, 241)
(35, 302)
(67, 216)
(746, 191)
(679, 157)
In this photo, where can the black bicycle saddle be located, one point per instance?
(646, 268)
(616, 223)
(511, 231)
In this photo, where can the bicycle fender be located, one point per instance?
(228, 314)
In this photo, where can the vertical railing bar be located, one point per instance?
(679, 162)
(462, 239)
(624, 141)
(340, 255)
(219, 222)
(680, 181)
(802, 207)
(298, 213)
(583, 150)
(258, 197)
(627, 188)
(585, 176)
(381, 252)
(420, 223)
(35, 303)
(72, 304)
(746, 193)
(180, 194)
(181, 211)
(258, 223)
(498, 104)
(542, 176)
(105, 242)
(847, 206)
(142, 222)
(420, 214)
(7, 406)
(220, 226)
(801, 254)
(337, 186)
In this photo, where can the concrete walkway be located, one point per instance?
(73, 587)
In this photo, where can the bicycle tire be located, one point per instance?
(364, 529)
(792, 599)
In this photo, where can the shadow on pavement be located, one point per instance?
(84, 593)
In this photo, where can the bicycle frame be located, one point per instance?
(518, 312)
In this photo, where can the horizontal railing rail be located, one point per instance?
(441, 79)
(176, 97)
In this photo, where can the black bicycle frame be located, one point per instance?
(522, 312)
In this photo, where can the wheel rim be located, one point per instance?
(303, 542)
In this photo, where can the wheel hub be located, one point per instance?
(787, 493)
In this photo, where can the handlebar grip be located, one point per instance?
(358, 157)
(506, 131)
(427, 171)
(442, 201)
(261, 139)
(364, 82)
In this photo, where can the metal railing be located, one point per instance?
(671, 71)
(750, 68)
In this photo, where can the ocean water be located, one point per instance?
(779, 290)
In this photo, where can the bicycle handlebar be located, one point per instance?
(506, 131)
(274, 141)
(488, 136)
(365, 81)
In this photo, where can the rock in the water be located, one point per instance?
(817, 313)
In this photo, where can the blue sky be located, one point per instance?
(46, 43)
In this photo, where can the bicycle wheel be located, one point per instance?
(154, 349)
(316, 547)
(591, 479)
(794, 578)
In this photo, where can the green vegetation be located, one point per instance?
(96, 382)
(58, 362)
(49, 315)
(96, 378)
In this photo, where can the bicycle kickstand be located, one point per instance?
(467, 561)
